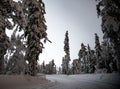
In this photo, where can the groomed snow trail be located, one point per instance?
(84, 81)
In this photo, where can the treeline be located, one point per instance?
(106, 55)
(100, 59)
(49, 68)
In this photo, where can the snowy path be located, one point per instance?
(81, 81)
(87, 81)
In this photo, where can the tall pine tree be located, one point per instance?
(66, 59)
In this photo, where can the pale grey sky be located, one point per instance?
(79, 17)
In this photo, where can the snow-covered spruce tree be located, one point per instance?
(93, 62)
(80, 59)
(34, 32)
(107, 55)
(16, 63)
(59, 70)
(91, 59)
(8, 10)
(50, 68)
(42, 67)
(67, 52)
(83, 59)
(75, 66)
(110, 13)
(80, 55)
(100, 63)
(53, 67)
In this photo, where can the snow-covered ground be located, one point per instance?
(81, 81)
(85, 81)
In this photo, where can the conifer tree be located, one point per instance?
(67, 53)
(34, 32)
(28, 15)
(100, 63)
(91, 59)
(80, 59)
(83, 58)
(92, 62)
(50, 68)
(43, 67)
(89, 56)
(110, 13)
(107, 55)
(75, 66)
(60, 70)
(16, 63)
(9, 9)
(66, 46)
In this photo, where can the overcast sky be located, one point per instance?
(79, 17)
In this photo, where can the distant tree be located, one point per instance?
(91, 59)
(66, 59)
(35, 31)
(100, 61)
(76, 66)
(80, 55)
(66, 46)
(42, 69)
(80, 59)
(50, 68)
(93, 62)
(83, 58)
(60, 70)
(109, 10)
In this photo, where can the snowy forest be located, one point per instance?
(19, 54)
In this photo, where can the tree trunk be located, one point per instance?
(33, 68)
